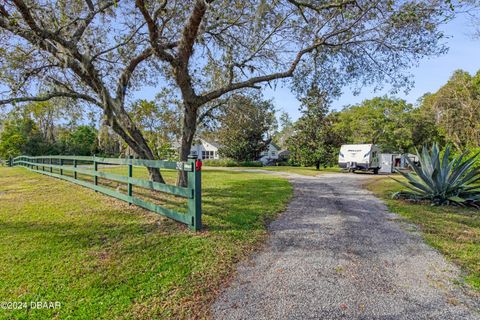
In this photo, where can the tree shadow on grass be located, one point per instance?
(72, 235)
(87, 233)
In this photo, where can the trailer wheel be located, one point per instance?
(375, 171)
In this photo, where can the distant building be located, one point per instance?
(206, 150)
(203, 149)
(283, 155)
(270, 155)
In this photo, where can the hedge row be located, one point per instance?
(231, 163)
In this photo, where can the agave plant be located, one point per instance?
(442, 181)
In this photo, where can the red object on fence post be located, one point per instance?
(198, 165)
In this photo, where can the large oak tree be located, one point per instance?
(98, 52)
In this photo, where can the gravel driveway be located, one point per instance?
(337, 253)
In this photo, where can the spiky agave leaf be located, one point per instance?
(442, 181)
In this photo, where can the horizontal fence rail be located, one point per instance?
(79, 166)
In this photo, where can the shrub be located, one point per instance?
(442, 181)
(219, 163)
(230, 163)
(250, 164)
(282, 163)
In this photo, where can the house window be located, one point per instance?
(208, 154)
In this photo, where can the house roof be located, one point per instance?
(177, 144)
(275, 145)
(213, 143)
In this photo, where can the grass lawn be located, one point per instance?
(306, 171)
(453, 231)
(103, 259)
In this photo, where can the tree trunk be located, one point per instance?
(317, 165)
(123, 125)
(139, 146)
(188, 132)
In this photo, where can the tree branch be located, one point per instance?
(28, 18)
(190, 32)
(121, 44)
(89, 18)
(185, 51)
(208, 112)
(155, 35)
(322, 7)
(4, 11)
(50, 96)
(124, 79)
(252, 81)
(280, 75)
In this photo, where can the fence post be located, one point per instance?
(75, 166)
(194, 179)
(51, 162)
(130, 174)
(95, 168)
(43, 162)
(10, 162)
(61, 164)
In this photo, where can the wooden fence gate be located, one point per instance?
(57, 166)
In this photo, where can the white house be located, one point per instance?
(205, 149)
(269, 155)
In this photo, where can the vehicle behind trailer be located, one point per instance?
(359, 157)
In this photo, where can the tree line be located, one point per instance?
(244, 125)
(449, 116)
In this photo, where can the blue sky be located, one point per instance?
(429, 76)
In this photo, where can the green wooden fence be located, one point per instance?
(61, 164)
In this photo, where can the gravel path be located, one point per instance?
(337, 253)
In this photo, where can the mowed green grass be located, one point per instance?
(454, 231)
(103, 259)
(305, 171)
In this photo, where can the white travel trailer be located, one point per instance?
(362, 157)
